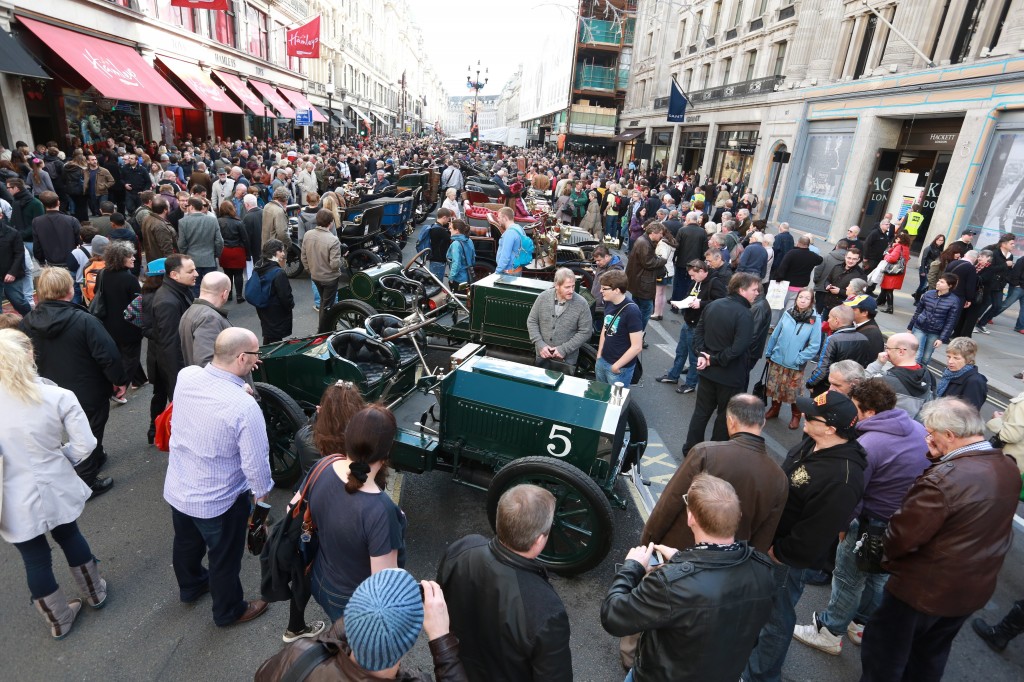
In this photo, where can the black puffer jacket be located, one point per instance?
(725, 332)
(12, 252)
(844, 344)
(699, 615)
(169, 303)
(74, 351)
(510, 621)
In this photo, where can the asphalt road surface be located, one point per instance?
(144, 633)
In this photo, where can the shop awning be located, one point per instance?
(360, 114)
(116, 71)
(16, 61)
(199, 82)
(238, 89)
(276, 101)
(299, 101)
(380, 118)
(345, 122)
(627, 135)
(336, 117)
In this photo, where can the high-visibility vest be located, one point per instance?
(699, 196)
(914, 220)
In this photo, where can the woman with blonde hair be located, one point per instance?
(41, 491)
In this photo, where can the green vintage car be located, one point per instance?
(489, 422)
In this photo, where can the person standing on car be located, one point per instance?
(559, 324)
(511, 624)
(321, 256)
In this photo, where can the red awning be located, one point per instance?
(300, 102)
(198, 81)
(238, 89)
(276, 101)
(116, 71)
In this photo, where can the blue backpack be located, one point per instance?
(257, 289)
(423, 240)
(524, 256)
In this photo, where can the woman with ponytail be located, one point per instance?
(361, 531)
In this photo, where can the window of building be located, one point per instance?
(705, 71)
(648, 43)
(687, 78)
(738, 16)
(965, 33)
(224, 27)
(726, 70)
(716, 14)
(751, 64)
(681, 38)
(780, 58)
(330, 75)
(871, 24)
(763, 8)
(1004, 11)
(641, 94)
(255, 32)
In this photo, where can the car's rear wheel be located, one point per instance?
(284, 418)
(293, 266)
(349, 314)
(361, 259)
(581, 533)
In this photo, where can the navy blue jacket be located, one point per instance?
(937, 314)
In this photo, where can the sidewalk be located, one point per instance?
(1000, 354)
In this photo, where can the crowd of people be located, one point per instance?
(122, 244)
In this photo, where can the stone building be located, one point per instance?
(876, 106)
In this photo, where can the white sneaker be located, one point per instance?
(310, 631)
(818, 636)
(855, 631)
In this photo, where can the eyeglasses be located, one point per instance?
(892, 348)
(250, 352)
(685, 500)
(606, 288)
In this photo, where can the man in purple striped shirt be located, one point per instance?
(218, 455)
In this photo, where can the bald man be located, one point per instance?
(219, 453)
(205, 319)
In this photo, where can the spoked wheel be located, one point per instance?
(349, 314)
(422, 212)
(284, 418)
(482, 268)
(581, 534)
(390, 251)
(293, 266)
(361, 259)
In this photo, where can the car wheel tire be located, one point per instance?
(361, 259)
(581, 534)
(349, 314)
(284, 418)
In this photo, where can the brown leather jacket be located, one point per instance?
(341, 668)
(759, 481)
(946, 544)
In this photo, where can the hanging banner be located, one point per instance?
(213, 5)
(304, 41)
(676, 104)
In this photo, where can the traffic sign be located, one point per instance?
(304, 117)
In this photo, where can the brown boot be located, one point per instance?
(773, 411)
(794, 423)
(92, 586)
(59, 612)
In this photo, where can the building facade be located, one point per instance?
(159, 72)
(460, 113)
(507, 106)
(875, 106)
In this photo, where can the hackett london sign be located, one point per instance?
(304, 41)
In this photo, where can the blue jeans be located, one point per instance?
(1015, 294)
(682, 285)
(222, 540)
(35, 553)
(15, 293)
(603, 370)
(855, 594)
(766, 659)
(925, 345)
(685, 353)
(437, 269)
(328, 597)
(611, 226)
(629, 676)
(646, 306)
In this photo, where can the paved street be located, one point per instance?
(146, 634)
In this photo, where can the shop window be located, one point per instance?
(821, 176)
(999, 207)
(780, 58)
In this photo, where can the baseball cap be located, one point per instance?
(383, 618)
(156, 267)
(973, 233)
(836, 409)
(863, 302)
(222, 171)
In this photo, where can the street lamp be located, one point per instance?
(476, 85)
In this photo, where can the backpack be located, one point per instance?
(423, 240)
(257, 290)
(90, 273)
(525, 254)
(74, 179)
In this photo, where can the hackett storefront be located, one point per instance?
(95, 84)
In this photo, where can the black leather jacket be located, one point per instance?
(699, 616)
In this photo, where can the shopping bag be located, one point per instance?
(776, 295)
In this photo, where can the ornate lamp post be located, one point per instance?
(476, 85)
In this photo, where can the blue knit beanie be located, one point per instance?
(383, 618)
